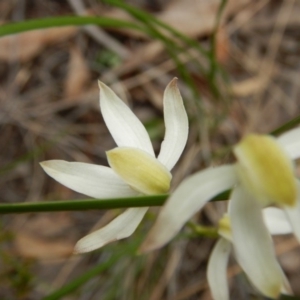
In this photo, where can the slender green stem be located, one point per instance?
(88, 204)
(82, 204)
(203, 231)
(13, 28)
(287, 126)
(288, 297)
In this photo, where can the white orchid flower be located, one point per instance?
(134, 168)
(277, 224)
(263, 175)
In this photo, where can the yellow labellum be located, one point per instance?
(140, 170)
(265, 170)
(224, 228)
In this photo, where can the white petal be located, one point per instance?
(291, 142)
(293, 215)
(126, 129)
(88, 179)
(188, 198)
(286, 287)
(121, 227)
(177, 126)
(276, 221)
(217, 270)
(253, 244)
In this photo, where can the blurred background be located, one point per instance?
(239, 71)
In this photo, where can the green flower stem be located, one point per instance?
(288, 297)
(88, 204)
(203, 231)
(13, 28)
(82, 204)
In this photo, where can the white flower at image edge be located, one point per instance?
(263, 175)
(277, 224)
(134, 168)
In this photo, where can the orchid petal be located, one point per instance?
(286, 287)
(121, 227)
(216, 271)
(253, 244)
(293, 215)
(126, 129)
(276, 221)
(188, 198)
(291, 142)
(177, 126)
(88, 179)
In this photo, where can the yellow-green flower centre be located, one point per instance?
(224, 228)
(140, 170)
(265, 170)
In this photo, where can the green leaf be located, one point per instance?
(13, 28)
(287, 126)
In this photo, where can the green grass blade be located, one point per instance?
(13, 28)
(81, 280)
(39, 150)
(287, 126)
(127, 249)
(149, 17)
(171, 45)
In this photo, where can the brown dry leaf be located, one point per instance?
(191, 17)
(248, 87)
(48, 225)
(32, 246)
(78, 74)
(25, 46)
(43, 236)
(222, 45)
